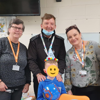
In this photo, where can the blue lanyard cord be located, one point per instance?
(45, 45)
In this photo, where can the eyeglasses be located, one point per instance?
(20, 29)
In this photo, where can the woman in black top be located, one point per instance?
(15, 75)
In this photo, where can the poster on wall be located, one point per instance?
(3, 28)
(4, 23)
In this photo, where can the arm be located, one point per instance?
(97, 50)
(3, 86)
(61, 63)
(40, 92)
(63, 90)
(32, 60)
(28, 78)
(67, 77)
(61, 57)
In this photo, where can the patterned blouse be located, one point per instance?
(73, 66)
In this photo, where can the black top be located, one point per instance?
(10, 77)
(36, 53)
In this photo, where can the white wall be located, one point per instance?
(84, 13)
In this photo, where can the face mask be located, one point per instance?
(47, 33)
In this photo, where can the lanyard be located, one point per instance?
(45, 49)
(17, 53)
(83, 54)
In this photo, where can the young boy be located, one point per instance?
(51, 69)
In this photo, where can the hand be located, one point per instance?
(26, 88)
(40, 77)
(3, 86)
(70, 92)
(59, 78)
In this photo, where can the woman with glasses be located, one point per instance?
(82, 73)
(14, 71)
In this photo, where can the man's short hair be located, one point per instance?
(47, 17)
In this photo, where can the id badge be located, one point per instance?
(16, 68)
(83, 72)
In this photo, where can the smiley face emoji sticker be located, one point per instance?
(52, 71)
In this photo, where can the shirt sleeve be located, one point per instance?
(0, 52)
(28, 74)
(97, 50)
(61, 57)
(67, 77)
(0, 47)
(32, 58)
(40, 92)
(63, 90)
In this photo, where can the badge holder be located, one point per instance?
(83, 72)
(16, 67)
